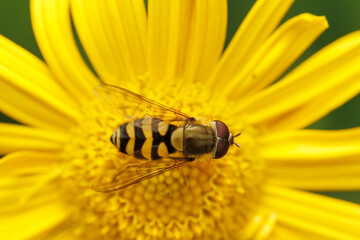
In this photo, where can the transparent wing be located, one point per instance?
(130, 104)
(114, 180)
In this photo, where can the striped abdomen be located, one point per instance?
(146, 138)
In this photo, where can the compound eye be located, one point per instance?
(221, 149)
(222, 130)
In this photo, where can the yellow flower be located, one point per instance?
(173, 54)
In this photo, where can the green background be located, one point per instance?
(343, 17)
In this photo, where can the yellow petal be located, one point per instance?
(260, 226)
(25, 195)
(30, 104)
(24, 117)
(343, 183)
(313, 159)
(26, 162)
(53, 32)
(114, 35)
(185, 38)
(17, 137)
(32, 69)
(277, 53)
(64, 232)
(29, 190)
(310, 146)
(160, 37)
(30, 94)
(260, 22)
(315, 216)
(206, 40)
(315, 109)
(330, 172)
(284, 232)
(333, 68)
(32, 222)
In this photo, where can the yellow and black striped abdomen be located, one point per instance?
(146, 138)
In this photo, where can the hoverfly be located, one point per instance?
(163, 137)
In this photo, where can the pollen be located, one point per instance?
(187, 202)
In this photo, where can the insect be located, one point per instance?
(163, 137)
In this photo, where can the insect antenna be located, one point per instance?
(235, 137)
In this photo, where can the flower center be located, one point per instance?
(205, 198)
